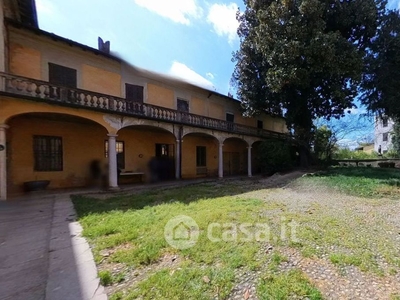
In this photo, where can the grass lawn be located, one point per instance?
(362, 181)
(135, 261)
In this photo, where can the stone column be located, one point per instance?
(220, 161)
(112, 163)
(178, 160)
(3, 162)
(249, 162)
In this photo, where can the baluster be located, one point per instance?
(121, 105)
(38, 91)
(97, 102)
(71, 96)
(19, 85)
(135, 108)
(85, 100)
(30, 88)
(14, 84)
(91, 100)
(103, 103)
(111, 104)
(46, 91)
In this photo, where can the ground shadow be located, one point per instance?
(184, 193)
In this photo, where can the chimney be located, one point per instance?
(104, 46)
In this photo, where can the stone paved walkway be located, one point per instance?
(24, 243)
(42, 255)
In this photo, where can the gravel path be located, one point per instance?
(334, 282)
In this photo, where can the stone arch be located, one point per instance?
(150, 147)
(120, 122)
(200, 153)
(80, 142)
(55, 116)
(21, 108)
(191, 130)
(235, 155)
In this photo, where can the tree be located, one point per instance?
(380, 92)
(396, 137)
(325, 143)
(302, 59)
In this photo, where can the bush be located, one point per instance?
(275, 156)
(349, 154)
(391, 154)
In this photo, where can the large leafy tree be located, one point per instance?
(380, 87)
(303, 59)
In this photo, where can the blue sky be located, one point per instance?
(190, 39)
(193, 39)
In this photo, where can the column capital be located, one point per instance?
(4, 126)
(249, 147)
(179, 141)
(112, 135)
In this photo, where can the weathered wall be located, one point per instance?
(82, 142)
(30, 55)
(25, 61)
(189, 144)
(160, 96)
(140, 146)
(101, 81)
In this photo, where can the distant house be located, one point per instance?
(383, 134)
(65, 106)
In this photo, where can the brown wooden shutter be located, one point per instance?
(61, 75)
(133, 92)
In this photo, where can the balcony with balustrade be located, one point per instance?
(36, 90)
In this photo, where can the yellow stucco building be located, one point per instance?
(66, 107)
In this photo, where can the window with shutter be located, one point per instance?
(61, 75)
(182, 105)
(133, 92)
(230, 117)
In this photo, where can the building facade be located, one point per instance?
(68, 111)
(383, 134)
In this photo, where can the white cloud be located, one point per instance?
(223, 19)
(182, 71)
(210, 75)
(348, 143)
(179, 11)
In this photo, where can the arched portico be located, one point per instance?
(235, 156)
(200, 155)
(51, 146)
(148, 149)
